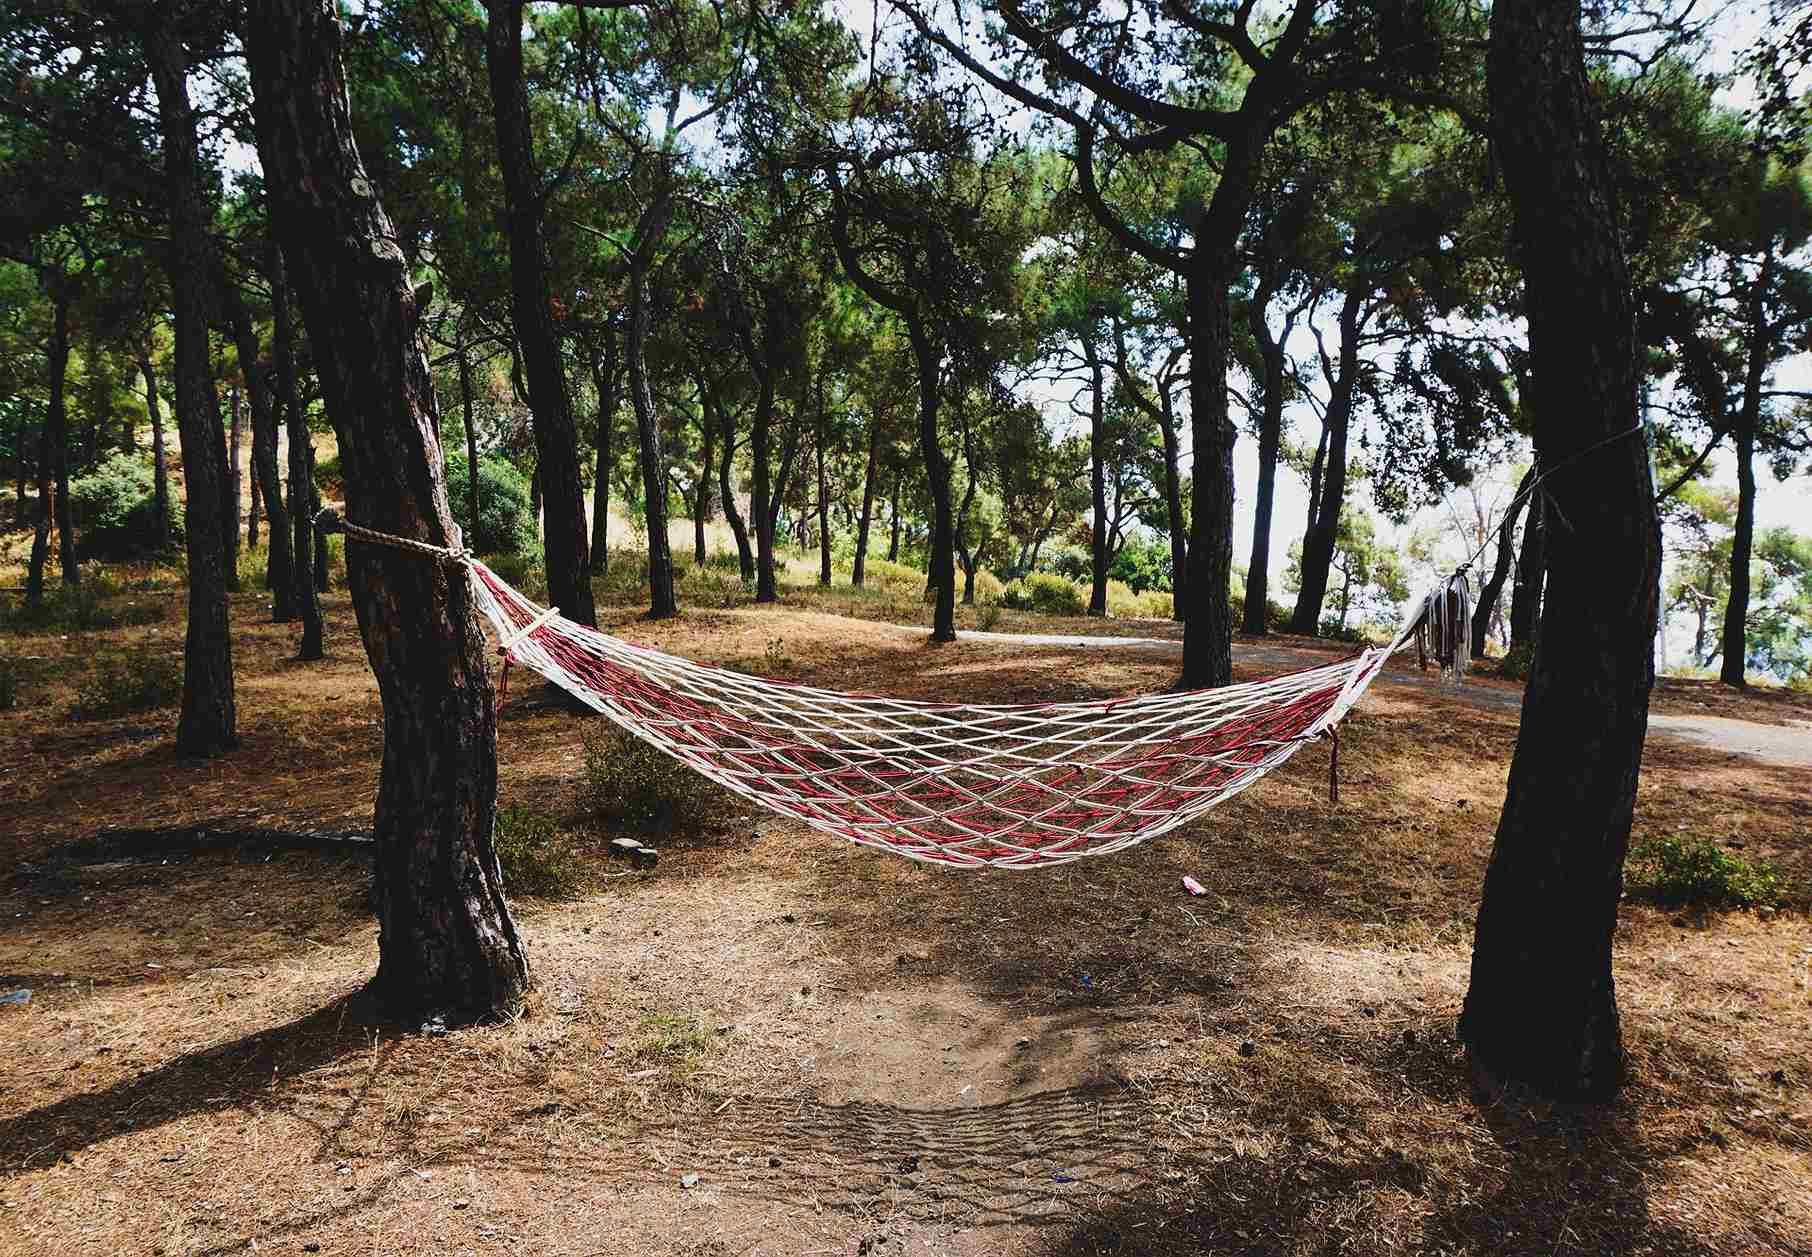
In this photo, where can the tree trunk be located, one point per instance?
(160, 466)
(745, 557)
(1208, 627)
(469, 423)
(824, 531)
(1097, 476)
(707, 465)
(308, 550)
(1270, 439)
(254, 500)
(663, 602)
(1493, 586)
(208, 724)
(267, 404)
(56, 435)
(1525, 592)
(1541, 1009)
(1324, 530)
(1173, 498)
(531, 303)
(447, 946)
(942, 567)
(51, 439)
(606, 374)
(858, 573)
(759, 505)
(893, 543)
(235, 481)
(1742, 542)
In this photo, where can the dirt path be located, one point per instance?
(1785, 746)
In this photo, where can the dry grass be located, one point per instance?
(851, 1050)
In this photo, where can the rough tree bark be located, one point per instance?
(606, 376)
(650, 231)
(56, 435)
(160, 466)
(532, 307)
(1097, 474)
(1324, 525)
(1541, 1008)
(447, 946)
(1526, 585)
(1742, 541)
(858, 574)
(208, 724)
(1270, 439)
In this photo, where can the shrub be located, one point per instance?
(537, 856)
(1514, 666)
(1151, 604)
(988, 588)
(632, 786)
(1335, 631)
(894, 577)
(119, 682)
(114, 508)
(987, 615)
(1696, 871)
(1143, 564)
(506, 524)
(1045, 592)
(524, 571)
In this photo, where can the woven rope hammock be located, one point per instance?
(999, 785)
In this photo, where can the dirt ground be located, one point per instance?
(855, 1054)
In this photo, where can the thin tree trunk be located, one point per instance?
(1097, 475)
(1270, 439)
(40, 537)
(606, 376)
(859, 573)
(208, 724)
(1742, 542)
(448, 949)
(235, 479)
(1324, 532)
(1542, 1009)
(267, 405)
(307, 571)
(463, 357)
(160, 466)
(531, 302)
(893, 543)
(745, 556)
(254, 500)
(56, 436)
(707, 465)
(1525, 591)
(824, 531)
(1493, 586)
(650, 231)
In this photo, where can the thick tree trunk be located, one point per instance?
(208, 724)
(531, 304)
(663, 601)
(1324, 530)
(606, 375)
(1270, 439)
(1208, 627)
(160, 465)
(858, 573)
(1493, 586)
(447, 947)
(1097, 476)
(1541, 1009)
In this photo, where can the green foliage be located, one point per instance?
(896, 578)
(537, 856)
(1515, 664)
(987, 615)
(1332, 629)
(1143, 564)
(988, 588)
(1277, 618)
(631, 786)
(1697, 872)
(1045, 592)
(1151, 604)
(119, 682)
(524, 571)
(114, 508)
(506, 525)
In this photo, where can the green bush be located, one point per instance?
(988, 588)
(114, 508)
(631, 786)
(1514, 666)
(537, 856)
(523, 571)
(1150, 604)
(894, 577)
(134, 679)
(1332, 629)
(1143, 564)
(1045, 592)
(987, 615)
(506, 524)
(1696, 871)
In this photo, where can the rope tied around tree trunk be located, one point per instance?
(329, 520)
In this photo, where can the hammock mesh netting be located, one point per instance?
(1003, 785)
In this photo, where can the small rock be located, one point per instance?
(773, 1163)
(1248, 1048)
(342, 1169)
(461, 1203)
(435, 1027)
(1778, 1078)
(311, 1247)
(1369, 1012)
(688, 1182)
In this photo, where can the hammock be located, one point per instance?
(999, 785)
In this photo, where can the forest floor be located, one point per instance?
(856, 1054)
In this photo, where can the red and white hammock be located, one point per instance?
(1001, 785)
